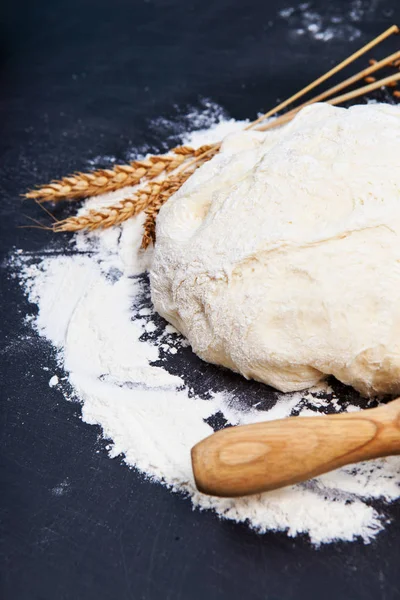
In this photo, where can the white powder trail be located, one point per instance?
(336, 23)
(95, 309)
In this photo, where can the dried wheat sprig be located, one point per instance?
(188, 150)
(102, 218)
(362, 91)
(82, 185)
(149, 231)
(375, 66)
(386, 81)
(380, 38)
(153, 195)
(170, 186)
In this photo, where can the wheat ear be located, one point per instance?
(102, 218)
(151, 198)
(81, 185)
(170, 186)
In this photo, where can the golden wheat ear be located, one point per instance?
(149, 198)
(101, 181)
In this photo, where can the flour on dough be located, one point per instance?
(280, 258)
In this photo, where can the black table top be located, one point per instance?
(85, 78)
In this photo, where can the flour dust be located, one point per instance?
(337, 22)
(136, 377)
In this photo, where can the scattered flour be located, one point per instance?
(61, 489)
(336, 22)
(93, 305)
(53, 381)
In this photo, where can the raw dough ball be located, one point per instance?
(280, 258)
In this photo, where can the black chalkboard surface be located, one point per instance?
(84, 78)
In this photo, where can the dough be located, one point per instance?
(280, 258)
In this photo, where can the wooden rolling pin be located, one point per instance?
(250, 459)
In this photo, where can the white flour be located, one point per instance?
(336, 22)
(94, 308)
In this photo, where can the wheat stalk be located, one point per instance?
(149, 231)
(103, 218)
(149, 198)
(81, 185)
(170, 187)
(380, 38)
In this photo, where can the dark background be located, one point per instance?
(85, 78)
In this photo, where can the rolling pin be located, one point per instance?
(249, 459)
